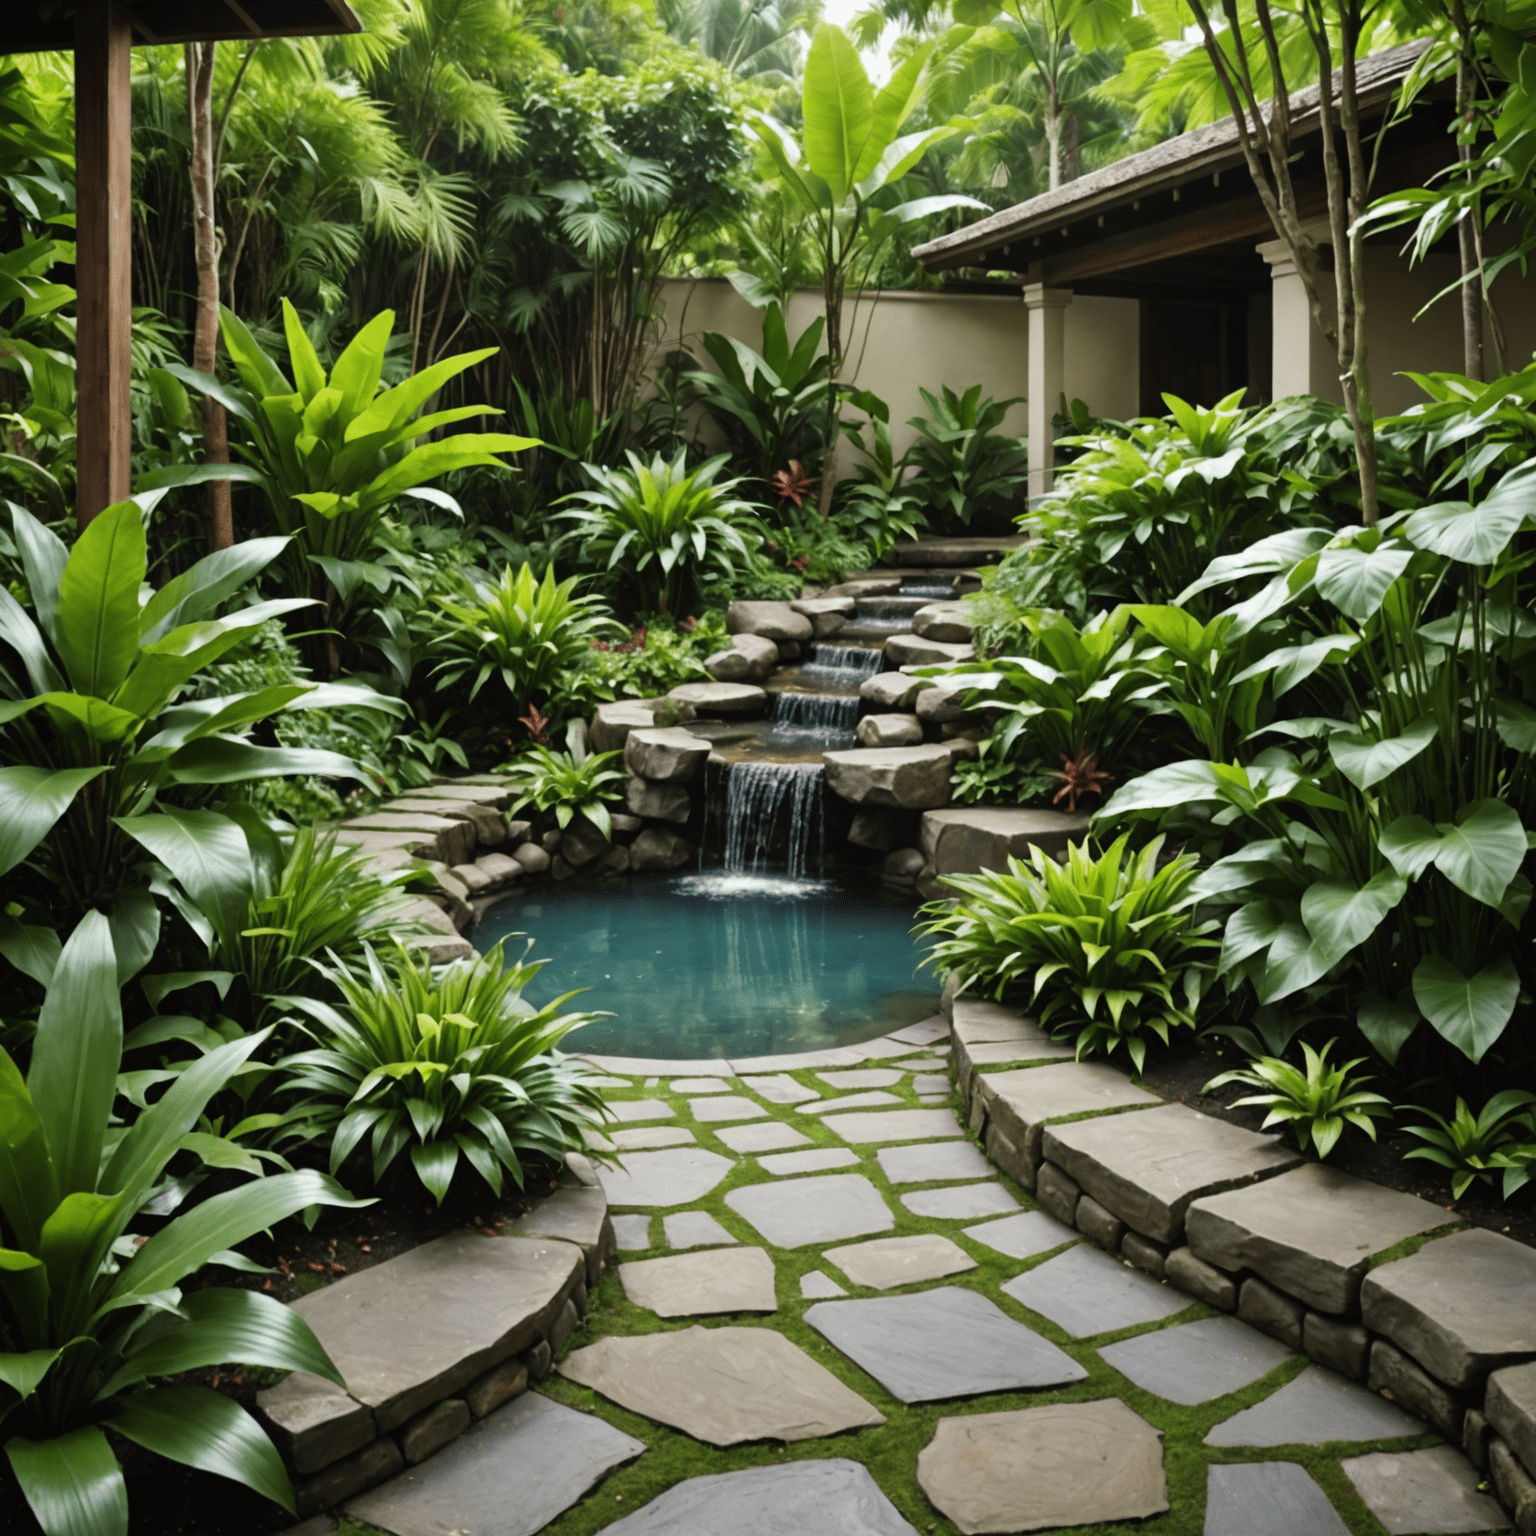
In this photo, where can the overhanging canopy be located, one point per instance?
(38, 25)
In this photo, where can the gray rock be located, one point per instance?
(1460, 1305)
(1196, 1362)
(879, 830)
(893, 690)
(1035, 1469)
(1267, 1498)
(941, 706)
(657, 802)
(799, 1498)
(894, 1125)
(563, 1326)
(1201, 1280)
(964, 839)
(827, 614)
(1022, 1236)
(826, 1209)
(1434, 1490)
(886, 1262)
(1511, 1408)
(629, 1111)
(710, 699)
(489, 824)
(910, 778)
(789, 651)
(695, 1284)
(612, 724)
(1024, 1102)
(550, 842)
(616, 861)
(362, 1469)
(733, 1106)
(487, 790)
(430, 1431)
(768, 1136)
(945, 621)
(475, 880)
(943, 1343)
(498, 1385)
(518, 831)
(722, 1385)
(582, 843)
(915, 651)
(1315, 1408)
(675, 1177)
(733, 666)
(537, 1360)
(1398, 1379)
(499, 868)
(694, 1229)
(923, 1165)
(1516, 1487)
(1476, 1434)
(1099, 1226)
(534, 860)
(1311, 1231)
(1342, 1347)
(691, 1085)
(903, 866)
(412, 1331)
(773, 621)
(924, 1083)
(573, 1215)
(440, 949)
(657, 849)
(632, 1233)
(1085, 1292)
(675, 756)
(1149, 1167)
(869, 1100)
(1271, 1311)
(559, 1454)
(1150, 1257)
(861, 1077)
(889, 731)
(779, 1089)
(963, 1202)
(926, 1032)
(626, 827)
(818, 1158)
(762, 654)
(641, 1138)
(450, 840)
(1058, 1194)
(313, 1422)
(817, 1286)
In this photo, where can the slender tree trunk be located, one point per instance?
(219, 510)
(832, 297)
(1053, 134)
(1466, 237)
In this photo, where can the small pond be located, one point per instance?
(719, 964)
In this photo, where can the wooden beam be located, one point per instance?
(103, 270)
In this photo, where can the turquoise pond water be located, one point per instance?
(718, 964)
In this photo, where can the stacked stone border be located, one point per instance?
(1378, 1285)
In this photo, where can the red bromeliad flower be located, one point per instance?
(792, 484)
(1080, 775)
(538, 724)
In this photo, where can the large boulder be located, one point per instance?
(582, 843)
(721, 698)
(612, 724)
(866, 586)
(672, 756)
(750, 659)
(966, 838)
(888, 731)
(656, 848)
(658, 802)
(945, 621)
(918, 651)
(941, 706)
(827, 614)
(893, 690)
(909, 778)
(773, 621)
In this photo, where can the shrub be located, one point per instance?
(441, 1065)
(657, 658)
(1498, 1142)
(1108, 947)
(573, 783)
(94, 1322)
(962, 467)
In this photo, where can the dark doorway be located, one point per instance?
(1198, 352)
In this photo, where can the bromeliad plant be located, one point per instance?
(1497, 1143)
(93, 1318)
(1316, 1102)
(1108, 947)
(572, 783)
(441, 1065)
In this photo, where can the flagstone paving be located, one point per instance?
(832, 1320)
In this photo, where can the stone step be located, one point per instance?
(956, 552)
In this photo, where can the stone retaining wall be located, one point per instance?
(1378, 1285)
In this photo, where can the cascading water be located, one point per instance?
(837, 713)
(842, 665)
(765, 799)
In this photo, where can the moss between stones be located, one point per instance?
(890, 1451)
(1413, 1244)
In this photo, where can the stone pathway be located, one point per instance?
(830, 1316)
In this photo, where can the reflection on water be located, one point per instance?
(720, 964)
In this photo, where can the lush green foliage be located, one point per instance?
(91, 1321)
(574, 783)
(1498, 1142)
(439, 1066)
(963, 467)
(1108, 948)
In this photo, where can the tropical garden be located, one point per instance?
(415, 487)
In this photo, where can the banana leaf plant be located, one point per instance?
(93, 736)
(91, 1316)
(330, 454)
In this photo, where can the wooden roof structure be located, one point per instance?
(1182, 217)
(42, 25)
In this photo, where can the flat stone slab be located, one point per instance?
(571, 1214)
(1004, 1053)
(726, 1107)
(925, 1165)
(640, 1138)
(1314, 1409)
(722, 1385)
(627, 1111)
(911, 778)
(1424, 1493)
(1022, 1102)
(960, 1202)
(700, 1085)
(407, 1333)
(694, 1229)
(781, 1089)
(807, 1162)
(860, 1077)
(1311, 1231)
(817, 1286)
(1267, 1498)
(678, 1176)
(828, 1209)
(930, 1083)
(1148, 1168)
(978, 1020)
(632, 1232)
(891, 1261)
(1461, 1306)
(924, 1033)
(798, 1061)
(658, 1066)
(870, 1099)
(769, 1136)
(1510, 1404)
(558, 1453)
(1195, 1362)
(834, 1497)
(1022, 1236)
(895, 1125)
(721, 698)
(694, 1284)
(1035, 1469)
(1085, 1292)
(939, 1344)
(968, 838)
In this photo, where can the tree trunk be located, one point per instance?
(832, 298)
(1466, 237)
(1053, 135)
(219, 510)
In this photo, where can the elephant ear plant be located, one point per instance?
(93, 1317)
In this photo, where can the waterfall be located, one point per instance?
(928, 589)
(818, 711)
(844, 664)
(759, 795)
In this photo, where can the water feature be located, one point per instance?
(928, 589)
(721, 964)
(834, 713)
(770, 803)
(842, 665)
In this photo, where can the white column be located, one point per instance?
(1302, 361)
(1047, 376)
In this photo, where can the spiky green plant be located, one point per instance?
(1107, 947)
(1499, 1139)
(570, 783)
